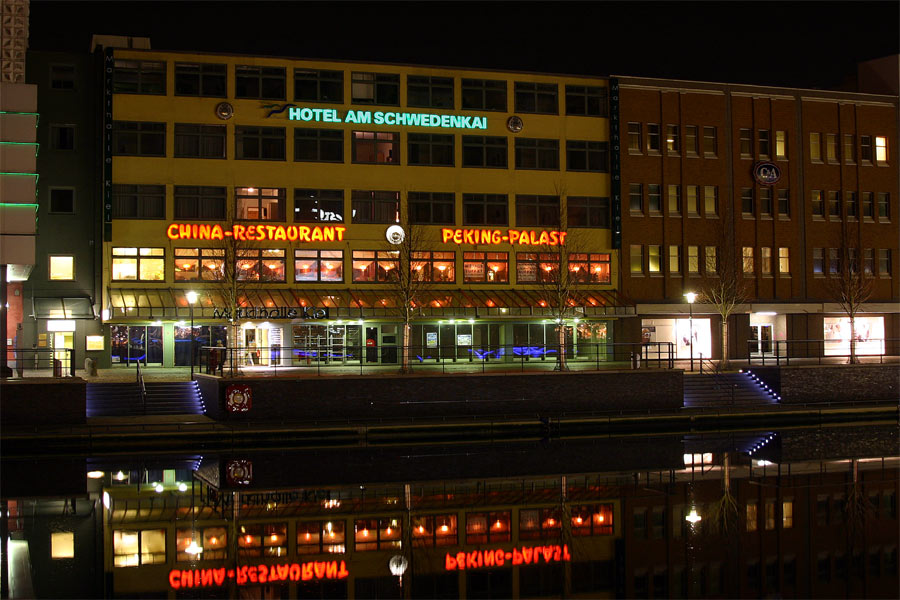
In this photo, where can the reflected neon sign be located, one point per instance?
(498, 236)
(527, 555)
(256, 233)
(331, 115)
(252, 574)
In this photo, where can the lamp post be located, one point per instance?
(192, 299)
(691, 296)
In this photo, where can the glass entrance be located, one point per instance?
(761, 339)
(136, 343)
(328, 344)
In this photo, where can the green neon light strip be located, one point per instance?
(19, 204)
(36, 145)
(17, 112)
(36, 176)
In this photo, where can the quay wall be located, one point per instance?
(833, 383)
(43, 401)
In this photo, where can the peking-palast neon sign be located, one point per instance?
(526, 555)
(368, 117)
(256, 233)
(498, 236)
(255, 574)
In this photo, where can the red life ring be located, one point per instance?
(238, 398)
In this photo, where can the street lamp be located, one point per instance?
(192, 299)
(691, 296)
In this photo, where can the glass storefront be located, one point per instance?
(868, 332)
(204, 335)
(680, 332)
(136, 343)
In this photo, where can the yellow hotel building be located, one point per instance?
(292, 175)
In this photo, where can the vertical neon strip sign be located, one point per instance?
(615, 166)
(108, 62)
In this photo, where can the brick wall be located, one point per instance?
(840, 383)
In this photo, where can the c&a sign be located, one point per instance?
(526, 555)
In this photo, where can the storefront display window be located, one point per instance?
(869, 335)
(324, 344)
(486, 267)
(435, 267)
(132, 343)
(138, 264)
(679, 332)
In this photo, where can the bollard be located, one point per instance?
(57, 367)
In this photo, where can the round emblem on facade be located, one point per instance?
(238, 398)
(395, 235)
(398, 565)
(766, 173)
(224, 110)
(515, 124)
(239, 472)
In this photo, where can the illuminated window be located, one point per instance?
(485, 209)
(486, 267)
(200, 79)
(430, 149)
(865, 149)
(653, 144)
(653, 258)
(319, 265)
(138, 201)
(434, 267)
(192, 264)
(259, 204)
(752, 516)
(199, 141)
(589, 268)
(869, 261)
(532, 267)
(484, 151)
(881, 149)
(321, 537)
(318, 206)
(693, 260)
(746, 143)
(817, 202)
(62, 200)
(711, 200)
(429, 92)
(698, 458)
(537, 97)
(637, 259)
(375, 88)
(62, 268)
(818, 261)
(654, 197)
(539, 523)
(674, 193)
(710, 142)
(674, 260)
(133, 138)
(213, 541)
(62, 544)
(787, 514)
(784, 203)
(483, 94)
(587, 156)
(747, 253)
(138, 264)
(532, 153)
(815, 147)
(376, 147)
(693, 200)
(377, 534)
(781, 145)
(635, 199)
(487, 527)
(712, 261)
(834, 261)
(204, 203)
(884, 206)
(311, 85)
(849, 149)
(139, 77)
(691, 140)
(831, 148)
(264, 83)
(370, 206)
(260, 264)
(429, 531)
(747, 202)
(134, 548)
(537, 211)
(262, 539)
(371, 266)
(259, 143)
(594, 519)
(770, 514)
(635, 143)
(672, 143)
(432, 208)
(318, 145)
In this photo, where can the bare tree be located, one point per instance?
(724, 287)
(849, 283)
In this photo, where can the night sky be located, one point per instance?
(791, 44)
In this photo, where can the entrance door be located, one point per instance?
(62, 341)
(371, 344)
(761, 339)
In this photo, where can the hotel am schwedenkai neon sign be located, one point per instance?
(331, 115)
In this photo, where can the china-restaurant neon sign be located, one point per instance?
(497, 236)
(481, 559)
(249, 574)
(256, 233)
(330, 115)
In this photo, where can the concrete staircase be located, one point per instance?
(725, 389)
(163, 398)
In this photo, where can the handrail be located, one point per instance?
(718, 379)
(141, 385)
(784, 350)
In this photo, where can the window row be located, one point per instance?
(647, 198)
(840, 262)
(138, 138)
(209, 203)
(762, 149)
(132, 76)
(749, 261)
(833, 205)
(647, 138)
(648, 259)
(148, 546)
(768, 516)
(368, 266)
(829, 148)
(879, 562)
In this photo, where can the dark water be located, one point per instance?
(805, 512)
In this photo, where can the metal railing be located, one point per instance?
(142, 386)
(713, 367)
(778, 352)
(248, 360)
(41, 362)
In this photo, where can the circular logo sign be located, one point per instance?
(238, 398)
(224, 110)
(515, 124)
(239, 472)
(766, 173)
(395, 234)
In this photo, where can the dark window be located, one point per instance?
(62, 137)
(312, 85)
(431, 208)
(585, 211)
(259, 143)
(483, 94)
(375, 88)
(635, 198)
(586, 100)
(587, 156)
(429, 92)
(784, 203)
(259, 204)
(537, 154)
(690, 140)
(747, 207)
(200, 79)
(438, 586)
(318, 145)
(753, 574)
(205, 203)
(261, 264)
(653, 143)
(485, 209)
(542, 580)
(597, 576)
(790, 571)
(537, 98)
(318, 206)
(658, 522)
(823, 567)
(852, 204)
(62, 77)
(371, 266)
(139, 77)
(62, 200)
(834, 204)
(537, 211)
(765, 201)
(868, 207)
(265, 83)
(654, 197)
(133, 138)
(865, 149)
(635, 142)
(430, 149)
(765, 143)
(884, 206)
(375, 206)
(377, 588)
(139, 201)
(817, 203)
(484, 151)
(640, 523)
(382, 147)
(710, 142)
(199, 141)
